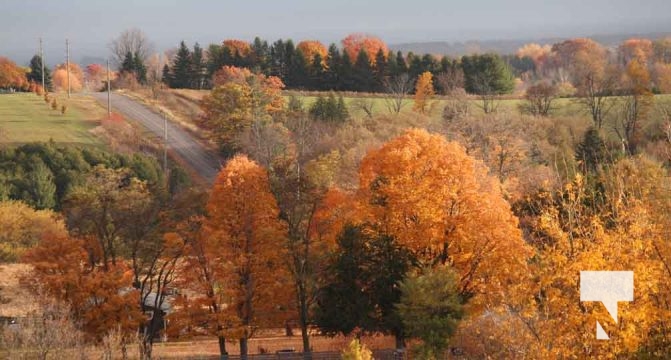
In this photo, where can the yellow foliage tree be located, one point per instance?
(22, 228)
(423, 92)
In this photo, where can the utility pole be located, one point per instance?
(42, 64)
(67, 63)
(109, 92)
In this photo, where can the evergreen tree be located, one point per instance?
(363, 73)
(401, 63)
(181, 68)
(361, 286)
(297, 76)
(197, 67)
(345, 74)
(260, 56)
(139, 69)
(278, 59)
(381, 71)
(487, 74)
(332, 75)
(35, 74)
(128, 64)
(317, 74)
(591, 151)
(167, 77)
(41, 185)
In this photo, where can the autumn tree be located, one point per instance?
(636, 106)
(239, 99)
(243, 220)
(60, 78)
(99, 298)
(588, 69)
(11, 75)
(435, 214)
(311, 48)
(371, 45)
(22, 228)
(539, 99)
(423, 93)
(103, 209)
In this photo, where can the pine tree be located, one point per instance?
(139, 69)
(298, 71)
(381, 71)
(363, 72)
(401, 63)
(128, 64)
(332, 75)
(35, 74)
(345, 74)
(197, 67)
(261, 54)
(181, 69)
(317, 74)
(591, 151)
(167, 77)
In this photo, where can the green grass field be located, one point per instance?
(25, 117)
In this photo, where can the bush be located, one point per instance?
(356, 351)
(64, 108)
(329, 109)
(54, 104)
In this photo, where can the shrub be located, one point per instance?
(356, 351)
(64, 108)
(54, 104)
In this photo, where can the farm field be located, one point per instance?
(25, 117)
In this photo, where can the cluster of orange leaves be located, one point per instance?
(241, 47)
(310, 48)
(354, 43)
(12, 75)
(60, 78)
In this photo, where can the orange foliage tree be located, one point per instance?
(354, 43)
(60, 78)
(640, 49)
(440, 203)
(11, 75)
(101, 300)
(535, 52)
(423, 92)
(237, 46)
(310, 48)
(238, 263)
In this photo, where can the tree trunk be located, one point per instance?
(223, 354)
(307, 352)
(400, 342)
(243, 349)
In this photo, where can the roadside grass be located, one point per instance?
(25, 117)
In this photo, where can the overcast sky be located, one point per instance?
(90, 25)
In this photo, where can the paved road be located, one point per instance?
(180, 141)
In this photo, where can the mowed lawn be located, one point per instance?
(25, 117)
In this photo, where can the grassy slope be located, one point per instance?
(25, 117)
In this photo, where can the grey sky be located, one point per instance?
(90, 24)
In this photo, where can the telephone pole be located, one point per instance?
(42, 64)
(109, 92)
(67, 63)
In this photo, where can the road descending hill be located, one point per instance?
(185, 145)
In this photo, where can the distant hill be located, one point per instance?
(457, 49)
